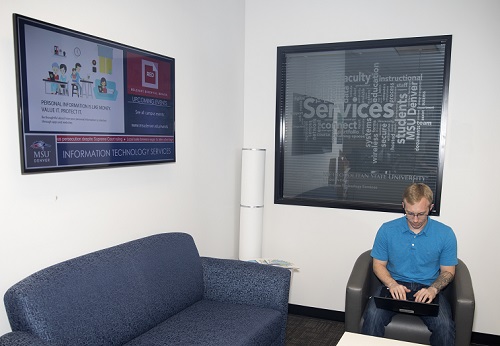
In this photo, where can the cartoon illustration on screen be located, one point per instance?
(62, 86)
(54, 77)
(59, 51)
(63, 75)
(82, 83)
(102, 87)
(106, 91)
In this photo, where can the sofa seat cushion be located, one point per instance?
(214, 323)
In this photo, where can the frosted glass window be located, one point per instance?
(357, 122)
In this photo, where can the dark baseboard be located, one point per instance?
(324, 314)
(485, 339)
(339, 316)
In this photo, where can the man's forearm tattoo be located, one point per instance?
(442, 281)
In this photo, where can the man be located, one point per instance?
(415, 253)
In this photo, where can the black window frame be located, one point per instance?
(443, 41)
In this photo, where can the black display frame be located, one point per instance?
(88, 121)
(285, 102)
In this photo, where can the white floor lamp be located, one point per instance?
(252, 203)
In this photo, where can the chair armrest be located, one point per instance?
(463, 304)
(247, 283)
(357, 292)
(21, 339)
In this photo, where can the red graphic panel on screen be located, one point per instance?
(148, 77)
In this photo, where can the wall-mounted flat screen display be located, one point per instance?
(88, 102)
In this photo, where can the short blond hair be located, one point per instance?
(416, 191)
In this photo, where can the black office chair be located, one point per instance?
(405, 327)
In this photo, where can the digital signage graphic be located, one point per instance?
(87, 102)
(357, 122)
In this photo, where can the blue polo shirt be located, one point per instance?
(415, 257)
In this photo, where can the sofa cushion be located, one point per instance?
(111, 296)
(212, 323)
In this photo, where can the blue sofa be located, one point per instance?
(151, 291)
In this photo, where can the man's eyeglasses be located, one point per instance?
(418, 215)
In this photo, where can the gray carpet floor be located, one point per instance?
(303, 331)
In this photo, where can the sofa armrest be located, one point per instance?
(241, 282)
(21, 339)
(357, 292)
(463, 303)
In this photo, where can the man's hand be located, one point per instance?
(426, 295)
(398, 291)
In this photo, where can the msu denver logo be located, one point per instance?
(39, 145)
(41, 153)
(149, 74)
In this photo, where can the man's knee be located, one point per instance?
(374, 320)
